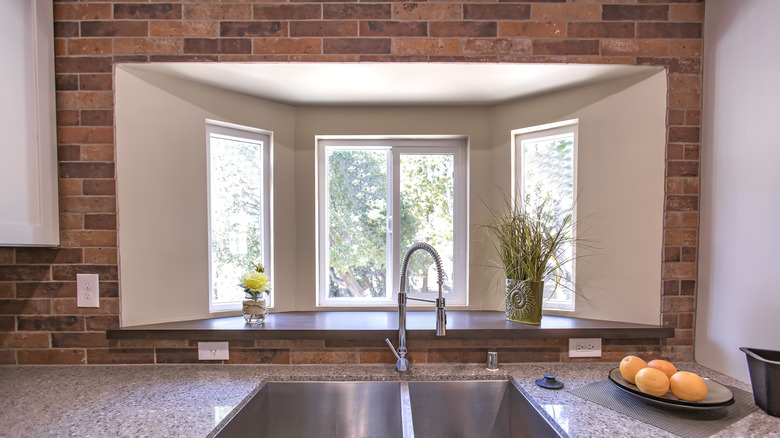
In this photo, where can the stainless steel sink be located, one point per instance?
(320, 409)
(493, 408)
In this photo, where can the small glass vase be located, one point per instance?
(524, 301)
(254, 309)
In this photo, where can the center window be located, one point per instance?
(375, 199)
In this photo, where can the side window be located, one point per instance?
(544, 161)
(377, 198)
(239, 208)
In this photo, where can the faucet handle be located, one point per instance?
(402, 364)
(390, 344)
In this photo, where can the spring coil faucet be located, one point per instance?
(402, 364)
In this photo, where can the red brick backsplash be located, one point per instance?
(39, 321)
(92, 348)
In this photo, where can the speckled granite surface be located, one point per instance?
(191, 400)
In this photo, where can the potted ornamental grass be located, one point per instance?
(531, 241)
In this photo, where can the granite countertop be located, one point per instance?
(192, 400)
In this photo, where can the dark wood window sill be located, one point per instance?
(380, 325)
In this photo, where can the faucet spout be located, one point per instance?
(436, 259)
(441, 316)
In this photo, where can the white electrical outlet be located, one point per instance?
(87, 290)
(213, 351)
(585, 347)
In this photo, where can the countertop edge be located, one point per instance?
(331, 325)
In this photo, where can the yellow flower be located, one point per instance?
(256, 281)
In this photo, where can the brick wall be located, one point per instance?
(39, 321)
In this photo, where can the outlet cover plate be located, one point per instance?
(585, 347)
(87, 290)
(213, 351)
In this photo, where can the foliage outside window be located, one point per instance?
(376, 198)
(239, 209)
(544, 160)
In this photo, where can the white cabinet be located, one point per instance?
(28, 145)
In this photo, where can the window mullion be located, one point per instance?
(323, 224)
(394, 202)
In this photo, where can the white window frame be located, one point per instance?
(396, 145)
(243, 133)
(518, 182)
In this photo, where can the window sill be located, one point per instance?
(379, 325)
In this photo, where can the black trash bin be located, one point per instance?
(764, 367)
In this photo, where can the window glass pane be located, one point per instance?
(236, 205)
(427, 189)
(548, 173)
(357, 223)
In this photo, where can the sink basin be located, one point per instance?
(486, 408)
(493, 408)
(320, 409)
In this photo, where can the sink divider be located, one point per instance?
(406, 411)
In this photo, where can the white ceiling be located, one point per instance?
(391, 83)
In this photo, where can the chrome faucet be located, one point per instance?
(402, 364)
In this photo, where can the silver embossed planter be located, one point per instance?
(524, 301)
